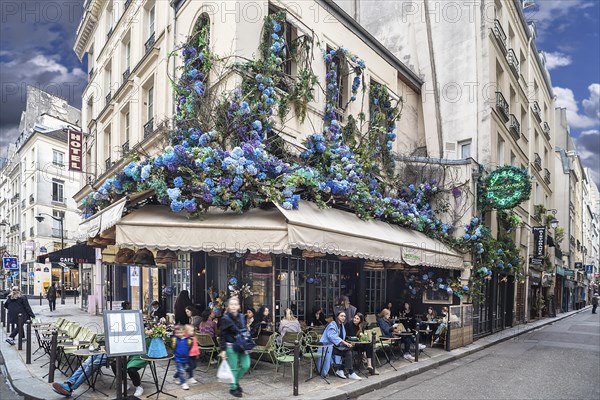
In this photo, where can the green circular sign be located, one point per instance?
(506, 187)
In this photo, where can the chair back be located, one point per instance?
(205, 341)
(73, 330)
(290, 337)
(377, 331)
(60, 322)
(170, 318)
(370, 319)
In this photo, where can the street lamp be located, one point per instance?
(40, 218)
(553, 221)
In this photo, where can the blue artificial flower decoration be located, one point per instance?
(178, 182)
(176, 206)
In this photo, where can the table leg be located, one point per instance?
(154, 377)
(387, 357)
(163, 381)
(322, 358)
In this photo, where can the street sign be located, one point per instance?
(10, 263)
(31, 274)
(589, 269)
(536, 261)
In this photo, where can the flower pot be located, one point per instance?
(157, 348)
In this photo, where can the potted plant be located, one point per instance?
(157, 334)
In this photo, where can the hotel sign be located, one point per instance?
(506, 187)
(539, 241)
(75, 152)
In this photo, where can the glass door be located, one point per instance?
(327, 282)
(290, 286)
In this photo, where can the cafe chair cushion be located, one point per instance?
(144, 257)
(124, 256)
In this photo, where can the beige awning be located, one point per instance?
(157, 227)
(342, 233)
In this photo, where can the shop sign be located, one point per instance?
(29, 245)
(506, 187)
(75, 156)
(569, 273)
(410, 256)
(560, 270)
(536, 261)
(539, 241)
(579, 265)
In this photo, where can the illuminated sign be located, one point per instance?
(506, 187)
(75, 155)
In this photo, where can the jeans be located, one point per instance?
(90, 364)
(594, 306)
(191, 366)
(407, 341)
(180, 372)
(346, 358)
(52, 304)
(239, 364)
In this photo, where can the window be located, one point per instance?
(108, 147)
(56, 224)
(513, 158)
(126, 123)
(340, 67)
(58, 158)
(151, 22)
(150, 104)
(500, 151)
(465, 149)
(127, 50)
(58, 194)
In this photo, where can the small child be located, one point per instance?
(181, 345)
(194, 352)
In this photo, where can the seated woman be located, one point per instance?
(251, 323)
(208, 325)
(334, 334)
(431, 315)
(263, 317)
(442, 328)
(316, 317)
(388, 329)
(354, 329)
(192, 314)
(289, 323)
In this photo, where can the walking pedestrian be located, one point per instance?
(51, 296)
(181, 345)
(232, 323)
(17, 304)
(595, 299)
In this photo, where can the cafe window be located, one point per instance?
(290, 286)
(327, 284)
(375, 291)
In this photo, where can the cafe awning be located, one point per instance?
(279, 231)
(77, 254)
(345, 234)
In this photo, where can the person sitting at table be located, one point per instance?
(263, 316)
(208, 325)
(87, 368)
(388, 329)
(442, 328)
(192, 314)
(316, 317)
(253, 324)
(156, 311)
(431, 315)
(289, 323)
(333, 335)
(354, 329)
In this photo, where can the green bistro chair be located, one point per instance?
(307, 353)
(283, 355)
(289, 338)
(267, 349)
(206, 344)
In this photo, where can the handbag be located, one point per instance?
(243, 340)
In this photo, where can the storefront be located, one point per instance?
(558, 288)
(536, 299)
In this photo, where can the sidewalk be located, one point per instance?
(263, 383)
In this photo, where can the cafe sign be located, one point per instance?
(506, 187)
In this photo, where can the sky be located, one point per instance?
(36, 48)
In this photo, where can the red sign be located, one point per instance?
(75, 153)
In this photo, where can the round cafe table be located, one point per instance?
(152, 363)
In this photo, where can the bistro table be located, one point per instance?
(91, 380)
(152, 363)
(314, 348)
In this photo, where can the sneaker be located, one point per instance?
(10, 341)
(235, 392)
(62, 389)
(185, 386)
(422, 346)
(372, 371)
(213, 361)
(192, 380)
(409, 357)
(240, 388)
(436, 340)
(340, 374)
(139, 391)
(354, 377)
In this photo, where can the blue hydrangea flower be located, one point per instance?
(176, 206)
(178, 182)
(257, 125)
(190, 205)
(174, 193)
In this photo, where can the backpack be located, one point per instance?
(243, 340)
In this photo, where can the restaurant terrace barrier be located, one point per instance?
(2, 314)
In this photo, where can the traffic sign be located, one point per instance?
(10, 263)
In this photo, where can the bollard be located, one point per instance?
(417, 351)
(448, 334)
(63, 294)
(374, 344)
(53, 345)
(28, 343)
(296, 366)
(2, 314)
(20, 327)
(41, 298)
(75, 297)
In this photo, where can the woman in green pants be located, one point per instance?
(239, 362)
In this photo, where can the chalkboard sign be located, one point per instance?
(124, 332)
(551, 307)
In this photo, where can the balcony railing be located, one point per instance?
(14, 228)
(535, 108)
(515, 127)
(546, 129)
(502, 106)
(127, 3)
(109, 34)
(14, 199)
(500, 35)
(125, 147)
(108, 98)
(23, 236)
(23, 203)
(572, 240)
(126, 75)
(511, 57)
(148, 128)
(547, 175)
(149, 45)
(537, 161)
(31, 199)
(108, 163)
(91, 73)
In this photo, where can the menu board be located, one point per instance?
(124, 333)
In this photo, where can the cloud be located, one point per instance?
(547, 12)
(556, 59)
(588, 148)
(591, 114)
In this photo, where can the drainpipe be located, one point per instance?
(526, 294)
(174, 4)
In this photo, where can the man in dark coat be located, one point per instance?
(17, 304)
(51, 296)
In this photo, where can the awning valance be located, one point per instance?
(279, 231)
(342, 233)
(77, 254)
(260, 231)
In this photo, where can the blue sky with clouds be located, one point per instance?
(36, 40)
(569, 35)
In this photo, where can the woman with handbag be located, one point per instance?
(334, 334)
(235, 343)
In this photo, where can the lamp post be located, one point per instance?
(40, 218)
(553, 222)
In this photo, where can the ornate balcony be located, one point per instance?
(537, 161)
(126, 74)
(108, 98)
(547, 176)
(535, 108)
(499, 35)
(502, 106)
(148, 128)
(125, 147)
(513, 61)
(149, 45)
(546, 129)
(514, 127)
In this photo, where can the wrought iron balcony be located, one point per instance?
(108, 98)
(513, 61)
(108, 163)
(23, 237)
(502, 106)
(572, 240)
(125, 147)
(535, 108)
(514, 127)
(547, 175)
(546, 129)
(500, 35)
(149, 128)
(110, 32)
(149, 45)
(14, 228)
(91, 74)
(537, 161)
(126, 74)
(23, 203)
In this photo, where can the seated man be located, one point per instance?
(91, 364)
